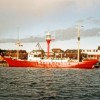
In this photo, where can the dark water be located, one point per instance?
(49, 84)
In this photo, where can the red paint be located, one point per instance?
(87, 64)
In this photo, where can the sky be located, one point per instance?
(59, 17)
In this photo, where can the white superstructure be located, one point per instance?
(92, 53)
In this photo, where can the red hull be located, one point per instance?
(88, 64)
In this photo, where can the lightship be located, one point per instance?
(36, 62)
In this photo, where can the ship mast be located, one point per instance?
(48, 40)
(18, 44)
(78, 38)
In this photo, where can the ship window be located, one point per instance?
(93, 50)
(83, 50)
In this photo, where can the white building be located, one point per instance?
(92, 53)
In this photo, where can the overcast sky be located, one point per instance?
(36, 17)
